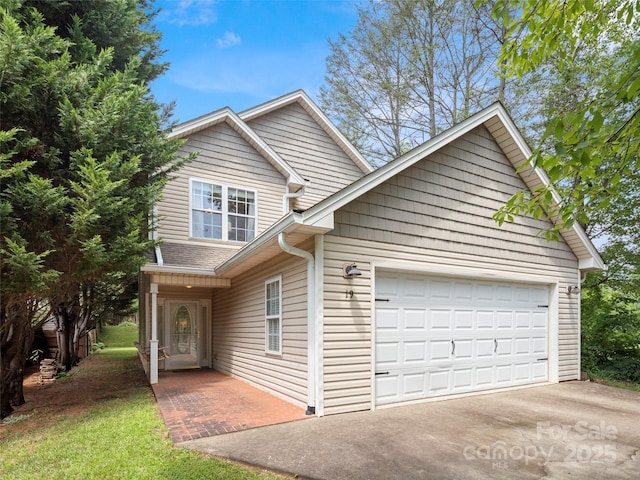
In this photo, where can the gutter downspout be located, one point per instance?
(154, 235)
(311, 288)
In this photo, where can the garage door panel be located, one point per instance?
(388, 354)
(539, 370)
(463, 291)
(485, 320)
(463, 319)
(414, 352)
(415, 319)
(462, 378)
(504, 374)
(539, 346)
(523, 346)
(440, 319)
(414, 289)
(439, 291)
(504, 347)
(523, 320)
(522, 372)
(485, 347)
(484, 376)
(540, 320)
(439, 380)
(440, 336)
(439, 350)
(504, 320)
(387, 389)
(388, 319)
(463, 349)
(413, 385)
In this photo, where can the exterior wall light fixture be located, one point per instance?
(350, 270)
(573, 289)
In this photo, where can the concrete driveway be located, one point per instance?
(576, 430)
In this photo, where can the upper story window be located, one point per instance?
(220, 212)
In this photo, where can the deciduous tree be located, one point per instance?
(409, 69)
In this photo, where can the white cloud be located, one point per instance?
(228, 40)
(189, 12)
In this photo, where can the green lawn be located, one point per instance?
(102, 422)
(122, 335)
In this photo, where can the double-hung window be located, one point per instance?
(273, 315)
(221, 212)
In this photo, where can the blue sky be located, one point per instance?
(240, 53)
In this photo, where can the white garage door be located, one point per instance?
(440, 336)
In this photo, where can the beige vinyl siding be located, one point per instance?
(225, 158)
(433, 216)
(304, 145)
(239, 330)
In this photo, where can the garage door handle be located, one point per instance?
(382, 373)
(453, 347)
(495, 345)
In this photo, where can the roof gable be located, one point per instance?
(501, 126)
(228, 116)
(321, 119)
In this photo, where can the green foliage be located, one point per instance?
(610, 334)
(84, 144)
(588, 148)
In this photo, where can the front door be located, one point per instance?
(182, 335)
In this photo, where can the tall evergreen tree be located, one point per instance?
(87, 141)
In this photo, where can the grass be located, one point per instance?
(598, 378)
(103, 423)
(122, 335)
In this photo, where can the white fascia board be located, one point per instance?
(318, 115)
(200, 123)
(591, 265)
(154, 268)
(227, 115)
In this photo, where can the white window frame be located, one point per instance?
(224, 212)
(270, 317)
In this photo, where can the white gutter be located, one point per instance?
(311, 324)
(311, 288)
(154, 235)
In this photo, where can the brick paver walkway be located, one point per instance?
(202, 403)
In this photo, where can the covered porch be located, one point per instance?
(176, 320)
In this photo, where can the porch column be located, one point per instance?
(153, 344)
